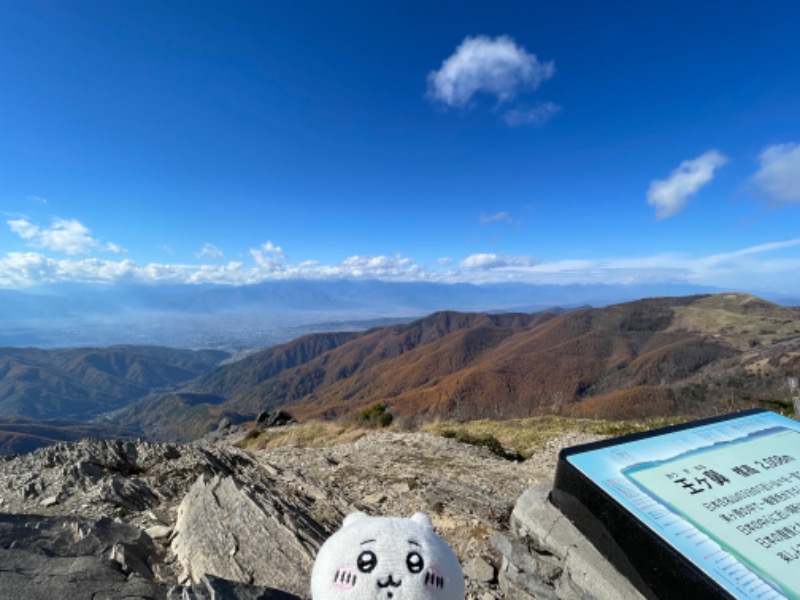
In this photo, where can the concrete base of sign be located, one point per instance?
(546, 557)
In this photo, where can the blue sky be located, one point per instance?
(547, 142)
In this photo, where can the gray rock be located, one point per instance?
(49, 501)
(249, 524)
(479, 570)
(546, 557)
(158, 532)
(279, 418)
(217, 588)
(61, 557)
(228, 526)
(92, 555)
(130, 560)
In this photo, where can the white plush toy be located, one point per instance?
(386, 558)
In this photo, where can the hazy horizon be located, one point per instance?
(261, 315)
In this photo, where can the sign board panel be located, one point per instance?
(709, 508)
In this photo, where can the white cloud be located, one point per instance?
(209, 251)
(482, 261)
(271, 248)
(222, 274)
(778, 177)
(64, 235)
(36, 199)
(269, 257)
(669, 196)
(380, 267)
(30, 268)
(536, 116)
(496, 66)
(496, 261)
(770, 266)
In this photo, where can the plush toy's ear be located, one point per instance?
(422, 519)
(352, 518)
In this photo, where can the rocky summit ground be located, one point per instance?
(108, 519)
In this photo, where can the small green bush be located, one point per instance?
(373, 411)
(485, 440)
(377, 413)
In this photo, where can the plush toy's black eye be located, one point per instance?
(414, 562)
(367, 561)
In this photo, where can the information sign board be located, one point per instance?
(709, 508)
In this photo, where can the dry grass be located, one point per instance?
(311, 434)
(523, 436)
(738, 319)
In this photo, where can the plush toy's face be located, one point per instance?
(385, 558)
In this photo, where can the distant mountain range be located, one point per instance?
(661, 356)
(261, 315)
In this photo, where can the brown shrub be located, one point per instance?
(632, 403)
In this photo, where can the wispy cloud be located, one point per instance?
(36, 199)
(770, 266)
(535, 117)
(64, 235)
(778, 177)
(502, 217)
(669, 196)
(209, 251)
(495, 66)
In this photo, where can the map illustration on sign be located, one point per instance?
(726, 495)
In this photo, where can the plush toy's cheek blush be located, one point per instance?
(434, 579)
(345, 578)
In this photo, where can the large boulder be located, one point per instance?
(244, 531)
(546, 558)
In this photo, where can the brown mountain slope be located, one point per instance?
(249, 372)
(646, 358)
(385, 362)
(553, 364)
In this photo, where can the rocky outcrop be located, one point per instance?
(216, 588)
(546, 558)
(132, 519)
(70, 557)
(110, 510)
(268, 538)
